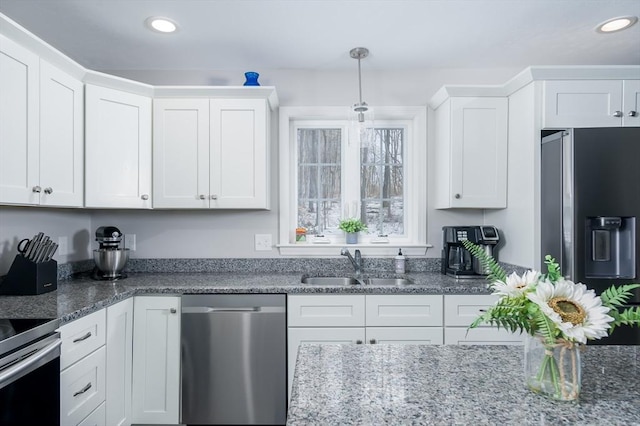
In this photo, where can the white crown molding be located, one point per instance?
(231, 92)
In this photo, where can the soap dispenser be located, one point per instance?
(399, 262)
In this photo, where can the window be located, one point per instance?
(327, 174)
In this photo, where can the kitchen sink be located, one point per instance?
(331, 281)
(388, 281)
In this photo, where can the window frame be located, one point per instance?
(413, 119)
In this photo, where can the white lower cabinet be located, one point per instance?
(97, 417)
(359, 319)
(156, 360)
(82, 368)
(119, 359)
(459, 313)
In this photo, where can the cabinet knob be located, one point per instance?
(202, 197)
(358, 342)
(373, 341)
(633, 113)
(214, 197)
(173, 310)
(618, 114)
(458, 196)
(145, 197)
(36, 189)
(48, 190)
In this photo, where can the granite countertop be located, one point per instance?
(455, 385)
(81, 296)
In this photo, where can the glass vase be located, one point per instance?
(553, 369)
(251, 78)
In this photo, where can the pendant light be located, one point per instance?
(360, 122)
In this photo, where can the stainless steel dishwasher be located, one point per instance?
(234, 361)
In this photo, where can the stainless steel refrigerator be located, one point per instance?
(590, 208)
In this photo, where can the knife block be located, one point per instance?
(26, 277)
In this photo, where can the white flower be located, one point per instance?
(516, 285)
(576, 311)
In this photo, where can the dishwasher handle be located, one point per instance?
(241, 309)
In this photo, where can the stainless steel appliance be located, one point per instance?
(590, 205)
(110, 258)
(234, 361)
(456, 260)
(29, 372)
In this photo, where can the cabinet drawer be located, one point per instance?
(325, 311)
(413, 310)
(97, 418)
(81, 337)
(481, 336)
(82, 388)
(404, 335)
(461, 310)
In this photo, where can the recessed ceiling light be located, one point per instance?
(616, 24)
(162, 25)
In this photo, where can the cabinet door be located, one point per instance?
(335, 335)
(61, 138)
(478, 152)
(19, 124)
(181, 153)
(239, 157)
(401, 310)
(325, 311)
(463, 309)
(97, 418)
(118, 149)
(81, 337)
(582, 103)
(404, 335)
(156, 360)
(481, 336)
(119, 362)
(631, 99)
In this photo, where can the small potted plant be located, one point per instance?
(352, 226)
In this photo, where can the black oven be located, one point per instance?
(29, 372)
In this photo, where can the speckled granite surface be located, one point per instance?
(78, 297)
(454, 385)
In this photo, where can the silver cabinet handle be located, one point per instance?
(145, 197)
(202, 197)
(214, 197)
(83, 390)
(85, 337)
(633, 113)
(173, 310)
(458, 196)
(618, 114)
(358, 342)
(36, 189)
(373, 341)
(48, 190)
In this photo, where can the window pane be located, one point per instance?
(319, 179)
(382, 181)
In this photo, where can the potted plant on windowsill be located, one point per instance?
(352, 226)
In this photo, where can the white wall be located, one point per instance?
(205, 234)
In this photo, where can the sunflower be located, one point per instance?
(515, 285)
(576, 311)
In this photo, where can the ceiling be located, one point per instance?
(318, 34)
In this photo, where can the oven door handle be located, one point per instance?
(7, 375)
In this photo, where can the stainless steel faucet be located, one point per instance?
(357, 262)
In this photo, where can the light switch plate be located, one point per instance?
(263, 242)
(130, 241)
(63, 246)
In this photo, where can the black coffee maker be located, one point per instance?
(457, 261)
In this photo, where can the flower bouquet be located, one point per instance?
(559, 315)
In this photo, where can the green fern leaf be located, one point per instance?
(496, 273)
(615, 297)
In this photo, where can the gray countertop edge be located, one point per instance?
(81, 296)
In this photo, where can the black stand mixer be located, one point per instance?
(110, 258)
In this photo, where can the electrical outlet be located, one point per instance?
(130, 241)
(63, 249)
(263, 242)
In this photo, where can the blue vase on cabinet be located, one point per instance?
(252, 78)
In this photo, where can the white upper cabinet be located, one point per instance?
(591, 103)
(471, 152)
(118, 149)
(41, 136)
(211, 153)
